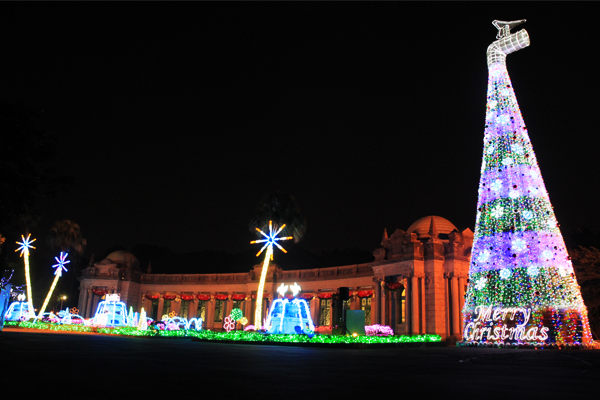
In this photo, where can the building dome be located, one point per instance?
(421, 226)
(122, 258)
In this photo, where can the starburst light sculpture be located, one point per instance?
(24, 248)
(57, 274)
(270, 240)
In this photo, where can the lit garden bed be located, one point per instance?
(235, 336)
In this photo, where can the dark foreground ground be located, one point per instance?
(93, 366)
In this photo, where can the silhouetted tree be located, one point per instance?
(66, 235)
(586, 263)
(281, 209)
(27, 174)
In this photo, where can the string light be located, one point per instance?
(270, 240)
(60, 265)
(24, 248)
(234, 336)
(523, 289)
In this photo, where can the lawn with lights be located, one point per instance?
(233, 336)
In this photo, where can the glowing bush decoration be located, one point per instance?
(378, 330)
(523, 289)
(25, 246)
(60, 265)
(236, 314)
(270, 240)
(177, 323)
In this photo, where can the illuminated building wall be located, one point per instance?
(415, 284)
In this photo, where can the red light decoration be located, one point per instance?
(393, 286)
(170, 296)
(203, 297)
(99, 292)
(186, 297)
(221, 297)
(365, 293)
(238, 297)
(325, 295)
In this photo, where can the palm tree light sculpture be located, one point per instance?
(57, 274)
(25, 246)
(270, 240)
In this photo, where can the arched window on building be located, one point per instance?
(402, 305)
(202, 309)
(184, 310)
(325, 312)
(166, 307)
(238, 304)
(365, 305)
(154, 310)
(220, 310)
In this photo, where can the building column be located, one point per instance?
(176, 306)
(210, 313)
(159, 311)
(455, 308)
(228, 307)
(462, 281)
(314, 309)
(414, 305)
(423, 307)
(374, 308)
(381, 303)
(248, 309)
(193, 310)
(83, 293)
(88, 304)
(142, 303)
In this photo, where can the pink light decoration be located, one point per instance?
(378, 330)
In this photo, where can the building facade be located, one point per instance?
(416, 285)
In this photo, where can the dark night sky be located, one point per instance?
(175, 119)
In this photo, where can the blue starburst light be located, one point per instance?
(61, 263)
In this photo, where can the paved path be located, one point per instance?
(95, 366)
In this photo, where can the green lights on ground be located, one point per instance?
(239, 336)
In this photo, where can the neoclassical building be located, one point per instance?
(416, 284)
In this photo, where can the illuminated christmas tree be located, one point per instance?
(522, 287)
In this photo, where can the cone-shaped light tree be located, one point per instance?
(522, 287)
